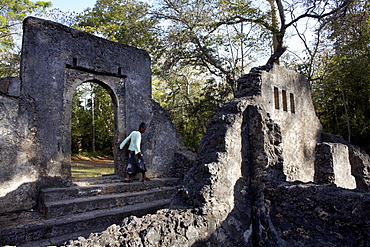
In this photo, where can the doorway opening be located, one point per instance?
(92, 132)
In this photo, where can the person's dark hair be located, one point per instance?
(142, 125)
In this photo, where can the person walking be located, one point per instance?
(135, 163)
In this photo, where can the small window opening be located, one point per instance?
(285, 105)
(292, 106)
(119, 70)
(74, 62)
(276, 97)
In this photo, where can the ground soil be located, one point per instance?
(93, 161)
(91, 166)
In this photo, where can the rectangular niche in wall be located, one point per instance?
(285, 105)
(292, 106)
(276, 97)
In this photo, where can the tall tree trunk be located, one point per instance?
(275, 23)
(346, 111)
(278, 33)
(93, 119)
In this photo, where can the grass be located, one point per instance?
(91, 167)
(88, 171)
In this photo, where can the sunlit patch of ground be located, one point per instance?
(91, 167)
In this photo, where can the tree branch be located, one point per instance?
(342, 8)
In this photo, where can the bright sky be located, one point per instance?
(72, 5)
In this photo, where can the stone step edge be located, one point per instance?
(166, 181)
(107, 196)
(102, 180)
(58, 240)
(52, 209)
(136, 209)
(102, 189)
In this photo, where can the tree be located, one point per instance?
(202, 58)
(9, 62)
(67, 18)
(81, 121)
(342, 92)
(275, 20)
(12, 14)
(125, 21)
(195, 36)
(92, 120)
(217, 40)
(190, 101)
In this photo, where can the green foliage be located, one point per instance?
(125, 21)
(196, 58)
(200, 48)
(342, 95)
(66, 18)
(92, 120)
(202, 60)
(190, 101)
(9, 63)
(198, 34)
(12, 13)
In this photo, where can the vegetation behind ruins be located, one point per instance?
(92, 120)
(200, 48)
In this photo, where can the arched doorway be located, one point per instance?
(92, 131)
(108, 131)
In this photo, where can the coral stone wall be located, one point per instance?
(35, 131)
(286, 96)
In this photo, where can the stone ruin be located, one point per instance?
(35, 109)
(265, 175)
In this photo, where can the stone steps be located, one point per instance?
(84, 181)
(80, 210)
(86, 204)
(54, 202)
(91, 188)
(58, 230)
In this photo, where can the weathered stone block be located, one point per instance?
(14, 89)
(4, 85)
(360, 167)
(332, 165)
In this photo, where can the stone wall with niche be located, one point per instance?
(296, 117)
(286, 96)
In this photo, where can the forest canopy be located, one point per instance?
(199, 49)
